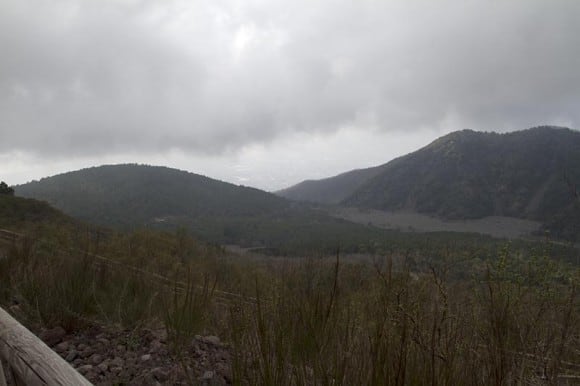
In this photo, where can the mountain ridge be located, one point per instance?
(146, 193)
(331, 190)
(471, 174)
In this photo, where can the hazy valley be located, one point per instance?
(504, 185)
(426, 267)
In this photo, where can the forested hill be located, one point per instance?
(16, 212)
(140, 194)
(331, 190)
(468, 174)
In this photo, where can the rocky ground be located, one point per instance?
(143, 357)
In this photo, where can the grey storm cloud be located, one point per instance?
(111, 76)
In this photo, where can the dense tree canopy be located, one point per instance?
(5, 189)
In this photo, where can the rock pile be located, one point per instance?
(143, 357)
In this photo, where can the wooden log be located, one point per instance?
(2, 376)
(32, 360)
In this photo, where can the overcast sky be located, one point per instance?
(267, 93)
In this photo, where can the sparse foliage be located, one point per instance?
(441, 318)
(5, 189)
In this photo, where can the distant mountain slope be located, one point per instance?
(331, 190)
(139, 194)
(17, 211)
(470, 174)
(124, 196)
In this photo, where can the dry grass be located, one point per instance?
(401, 320)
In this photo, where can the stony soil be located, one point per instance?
(142, 357)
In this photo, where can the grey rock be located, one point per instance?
(160, 334)
(160, 374)
(91, 375)
(86, 353)
(213, 340)
(52, 336)
(116, 369)
(61, 347)
(105, 342)
(103, 367)
(84, 369)
(118, 362)
(96, 359)
(145, 379)
(71, 356)
(155, 346)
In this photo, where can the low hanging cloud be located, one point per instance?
(108, 77)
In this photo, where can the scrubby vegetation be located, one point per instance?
(5, 189)
(389, 325)
(359, 306)
(448, 316)
(18, 213)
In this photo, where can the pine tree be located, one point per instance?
(5, 189)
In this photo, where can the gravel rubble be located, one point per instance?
(142, 357)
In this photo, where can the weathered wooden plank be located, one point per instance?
(2, 376)
(32, 360)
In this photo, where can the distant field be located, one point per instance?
(495, 226)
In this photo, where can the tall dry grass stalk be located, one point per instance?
(442, 319)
